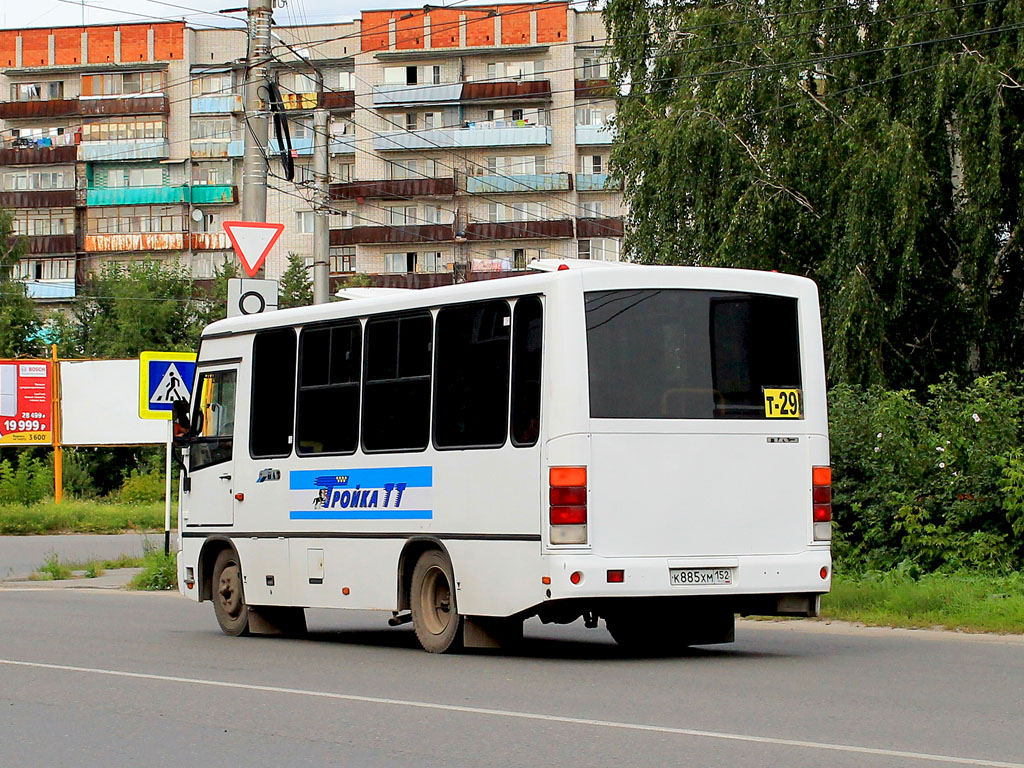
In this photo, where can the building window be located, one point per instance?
(399, 263)
(435, 71)
(43, 221)
(37, 91)
(402, 214)
(124, 129)
(135, 219)
(342, 259)
(433, 261)
(211, 173)
(599, 249)
(211, 84)
(16, 181)
(592, 208)
(123, 83)
(410, 121)
(304, 222)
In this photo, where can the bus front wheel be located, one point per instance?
(228, 598)
(435, 616)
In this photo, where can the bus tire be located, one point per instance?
(228, 597)
(435, 616)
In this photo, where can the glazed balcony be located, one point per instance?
(135, 242)
(410, 95)
(339, 145)
(515, 230)
(408, 233)
(213, 194)
(216, 104)
(594, 135)
(610, 226)
(19, 155)
(498, 133)
(38, 198)
(534, 182)
(505, 90)
(595, 182)
(338, 100)
(48, 245)
(124, 150)
(164, 195)
(50, 290)
(209, 241)
(390, 189)
(595, 88)
(207, 148)
(137, 105)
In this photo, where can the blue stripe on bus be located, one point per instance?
(362, 514)
(413, 477)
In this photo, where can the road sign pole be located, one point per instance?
(58, 449)
(167, 489)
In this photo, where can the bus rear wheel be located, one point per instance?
(228, 598)
(435, 615)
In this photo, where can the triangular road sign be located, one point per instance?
(171, 387)
(252, 241)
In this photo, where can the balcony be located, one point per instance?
(217, 104)
(596, 182)
(38, 198)
(343, 100)
(535, 182)
(38, 155)
(499, 133)
(595, 88)
(409, 95)
(49, 245)
(515, 230)
(515, 90)
(593, 227)
(137, 242)
(137, 195)
(390, 189)
(138, 149)
(209, 241)
(131, 105)
(339, 145)
(12, 110)
(592, 135)
(202, 149)
(50, 290)
(213, 194)
(409, 233)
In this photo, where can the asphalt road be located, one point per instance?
(115, 679)
(21, 555)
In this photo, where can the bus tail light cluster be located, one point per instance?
(821, 499)
(567, 499)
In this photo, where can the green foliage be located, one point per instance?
(216, 308)
(295, 290)
(53, 569)
(963, 601)
(143, 487)
(932, 485)
(129, 308)
(19, 323)
(836, 142)
(358, 280)
(27, 480)
(73, 516)
(159, 571)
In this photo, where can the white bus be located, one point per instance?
(642, 445)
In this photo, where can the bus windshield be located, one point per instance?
(689, 354)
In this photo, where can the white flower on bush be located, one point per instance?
(940, 449)
(976, 417)
(942, 465)
(877, 449)
(878, 436)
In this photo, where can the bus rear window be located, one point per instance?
(689, 354)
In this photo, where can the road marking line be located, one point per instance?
(725, 736)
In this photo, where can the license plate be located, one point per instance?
(782, 403)
(699, 576)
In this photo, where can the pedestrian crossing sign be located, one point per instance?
(163, 378)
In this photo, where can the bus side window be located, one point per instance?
(527, 333)
(328, 410)
(396, 384)
(273, 393)
(215, 417)
(471, 375)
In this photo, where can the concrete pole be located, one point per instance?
(254, 164)
(321, 217)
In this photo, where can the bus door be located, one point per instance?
(211, 452)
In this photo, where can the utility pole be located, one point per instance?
(321, 216)
(254, 164)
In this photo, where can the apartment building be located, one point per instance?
(471, 138)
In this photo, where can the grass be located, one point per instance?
(962, 601)
(53, 569)
(159, 571)
(76, 516)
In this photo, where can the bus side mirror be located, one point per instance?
(182, 427)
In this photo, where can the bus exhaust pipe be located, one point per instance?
(398, 619)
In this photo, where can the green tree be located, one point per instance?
(874, 146)
(128, 308)
(216, 306)
(19, 323)
(295, 288)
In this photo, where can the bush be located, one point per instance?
(142, 488)
(26, 481)
(159, 571)
(936, 485)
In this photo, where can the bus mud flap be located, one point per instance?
(491, 632)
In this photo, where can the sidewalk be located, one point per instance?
(114, 579)
(21, 555)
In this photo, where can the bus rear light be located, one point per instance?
(616, 576)
(568, 515)
(567, 510)
(576, 577)
(821, 503)
(824, 572)
(563, 497)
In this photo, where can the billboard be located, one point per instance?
(26, 402)
(99, 402)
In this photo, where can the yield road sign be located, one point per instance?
(163, 378)
(252, 241)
